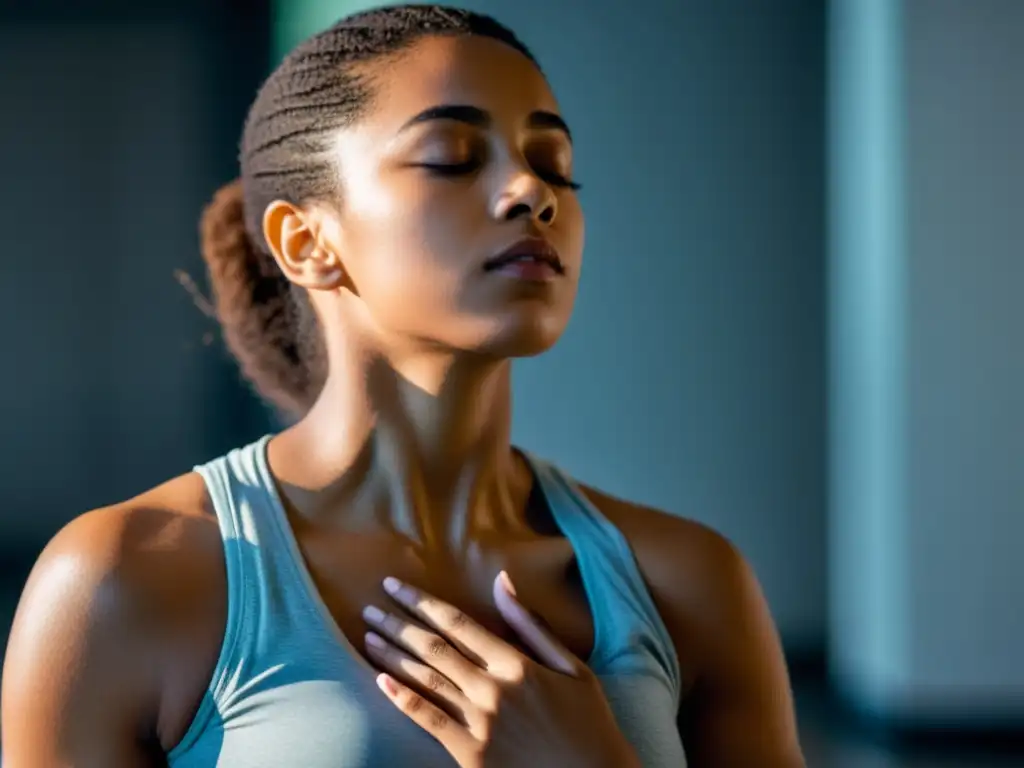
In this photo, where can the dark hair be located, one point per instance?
(322, 85)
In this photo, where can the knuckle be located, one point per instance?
(438, 648)
(413, 704)
(438, 720)
(436, 682)
(456, 620)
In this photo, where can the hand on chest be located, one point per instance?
(348, 570)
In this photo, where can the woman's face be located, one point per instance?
(461, 156)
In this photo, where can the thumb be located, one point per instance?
(549, 650)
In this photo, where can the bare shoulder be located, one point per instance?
(688, 565)
(663, 531)
(126, 554)
(120, 537)
(89, 648)
(737, 705)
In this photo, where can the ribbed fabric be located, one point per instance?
(290, 690)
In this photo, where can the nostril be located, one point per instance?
(547, 215)
(517, 210)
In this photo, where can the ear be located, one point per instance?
(294, 237)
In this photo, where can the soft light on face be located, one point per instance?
(426, 203)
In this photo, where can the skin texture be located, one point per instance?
(403, 467)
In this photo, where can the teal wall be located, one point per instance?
(292, 21)
(927, 372)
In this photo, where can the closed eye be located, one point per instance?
(451, 169)
(463, 169)
(560, 181)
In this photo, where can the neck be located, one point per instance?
(418, 444)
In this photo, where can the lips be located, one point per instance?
(535, 251)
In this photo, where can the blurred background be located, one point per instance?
(799, 318)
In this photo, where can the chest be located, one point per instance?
(347, 572)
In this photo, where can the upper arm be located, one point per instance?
(78, 680)
(738, 705)
(740, 709)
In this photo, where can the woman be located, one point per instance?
(405, 224)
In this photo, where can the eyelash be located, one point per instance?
(459, 169)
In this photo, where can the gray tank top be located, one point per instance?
(289, 690)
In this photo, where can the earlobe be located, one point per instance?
(324, 272)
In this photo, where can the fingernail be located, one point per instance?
(376, 641)
(392, 585)
(506, 582)
(373, 614)
(386, 684)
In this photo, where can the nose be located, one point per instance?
(526, 195)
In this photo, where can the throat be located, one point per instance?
(448, 521)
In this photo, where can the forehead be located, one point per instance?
(470, 70)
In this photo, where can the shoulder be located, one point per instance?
(669, 541)
(105, 599)
(702, 584)
(738, 703)
(685, 560)
(129, 550)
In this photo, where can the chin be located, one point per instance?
(524, 336)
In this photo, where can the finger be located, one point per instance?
(431, 718)
(428, 647)
(422, 679)
(550, 651)
(495, 655)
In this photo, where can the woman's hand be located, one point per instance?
(485, 701)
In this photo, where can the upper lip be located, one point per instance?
(533, 247)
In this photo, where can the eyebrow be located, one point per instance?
(479, 118)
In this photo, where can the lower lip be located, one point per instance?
(533, 271)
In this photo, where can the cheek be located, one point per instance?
(570, 230)
(411, 245)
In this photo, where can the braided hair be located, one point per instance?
(323, 85)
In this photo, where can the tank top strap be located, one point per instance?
(629, 633)
(265, 596)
